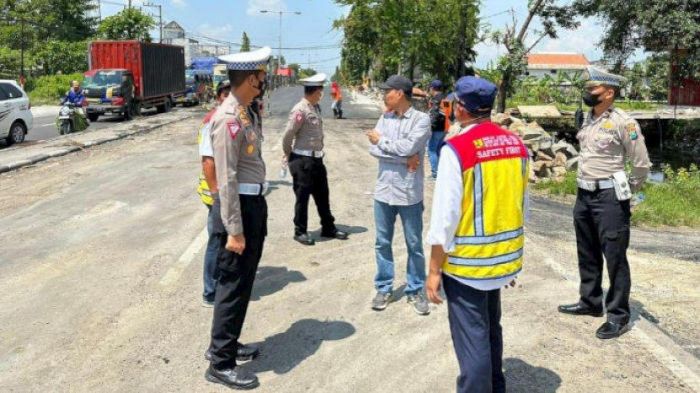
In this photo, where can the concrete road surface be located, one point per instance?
(101, 277)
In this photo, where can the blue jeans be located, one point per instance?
(412, 220)
(433, 154)
(211, 270)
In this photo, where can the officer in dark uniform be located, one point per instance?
(602, 211)
(303, 148)
(240, 174)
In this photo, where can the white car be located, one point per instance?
(15, 112)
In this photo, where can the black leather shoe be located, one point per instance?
(578, 309)
(611, 330)
(235, 378)
(244, 353)
(305, 239)
(340, 235)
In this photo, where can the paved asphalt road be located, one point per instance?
(45, 126)
(101, 281)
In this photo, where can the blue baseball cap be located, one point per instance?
(436, 84)
(475, 94)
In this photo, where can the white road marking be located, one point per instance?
(173, 274)
(662, 347)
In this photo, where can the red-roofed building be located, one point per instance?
(288, 72)
(541, 64)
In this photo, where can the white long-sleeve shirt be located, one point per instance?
(447, 213)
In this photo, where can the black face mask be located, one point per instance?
(591, 99)
(261, 86)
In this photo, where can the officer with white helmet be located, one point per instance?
(240, 174)
(303, 149)
(607, 138)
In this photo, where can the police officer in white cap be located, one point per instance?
(602, 212)
(240, 174)
(303, 148)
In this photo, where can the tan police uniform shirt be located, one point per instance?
(304, 129)
(237, 139)
(605, 143)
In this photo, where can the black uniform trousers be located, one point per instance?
(603, 229)
(477, 336)
(310, 179)
(236, 276)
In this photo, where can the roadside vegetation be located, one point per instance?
(675, 202)
(46, 90)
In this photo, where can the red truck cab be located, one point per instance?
(128, 76)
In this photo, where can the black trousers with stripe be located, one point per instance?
(236, 277)
(310, 179)
(602, 226)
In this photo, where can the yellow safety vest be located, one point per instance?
(489, 239)
(203, 186)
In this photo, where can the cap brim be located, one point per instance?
(384, 86)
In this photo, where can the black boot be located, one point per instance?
(335, 113)
(305, 239)
(236, 378)
(335, 234)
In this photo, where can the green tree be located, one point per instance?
(36, 24)
(657, 26)
(295, 67)
(67, 57)
(306, 72)
(337, 77)
(129, 24)
(657, 68)
(513, 37)
(245, 43)
(384, 37)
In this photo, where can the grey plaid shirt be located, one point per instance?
(401, 137)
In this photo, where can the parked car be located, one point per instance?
(15, 112)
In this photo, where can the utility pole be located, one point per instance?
(21, 72)
(160, 17)
(279, 53)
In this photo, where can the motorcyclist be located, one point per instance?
(76, 97)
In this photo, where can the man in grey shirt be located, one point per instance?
(398, 142)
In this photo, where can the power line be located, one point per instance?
(496, 14)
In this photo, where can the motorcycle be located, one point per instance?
(70, 119)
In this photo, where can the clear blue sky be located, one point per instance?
(228, 19)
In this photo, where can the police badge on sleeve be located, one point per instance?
(631, 129)
(233, 128)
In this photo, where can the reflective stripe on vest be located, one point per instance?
(204, 192)
(202, 185)
(489, 239)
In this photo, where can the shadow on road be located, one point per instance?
(282, 352)
(272, 279)
(526, 378)
(351, 230)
